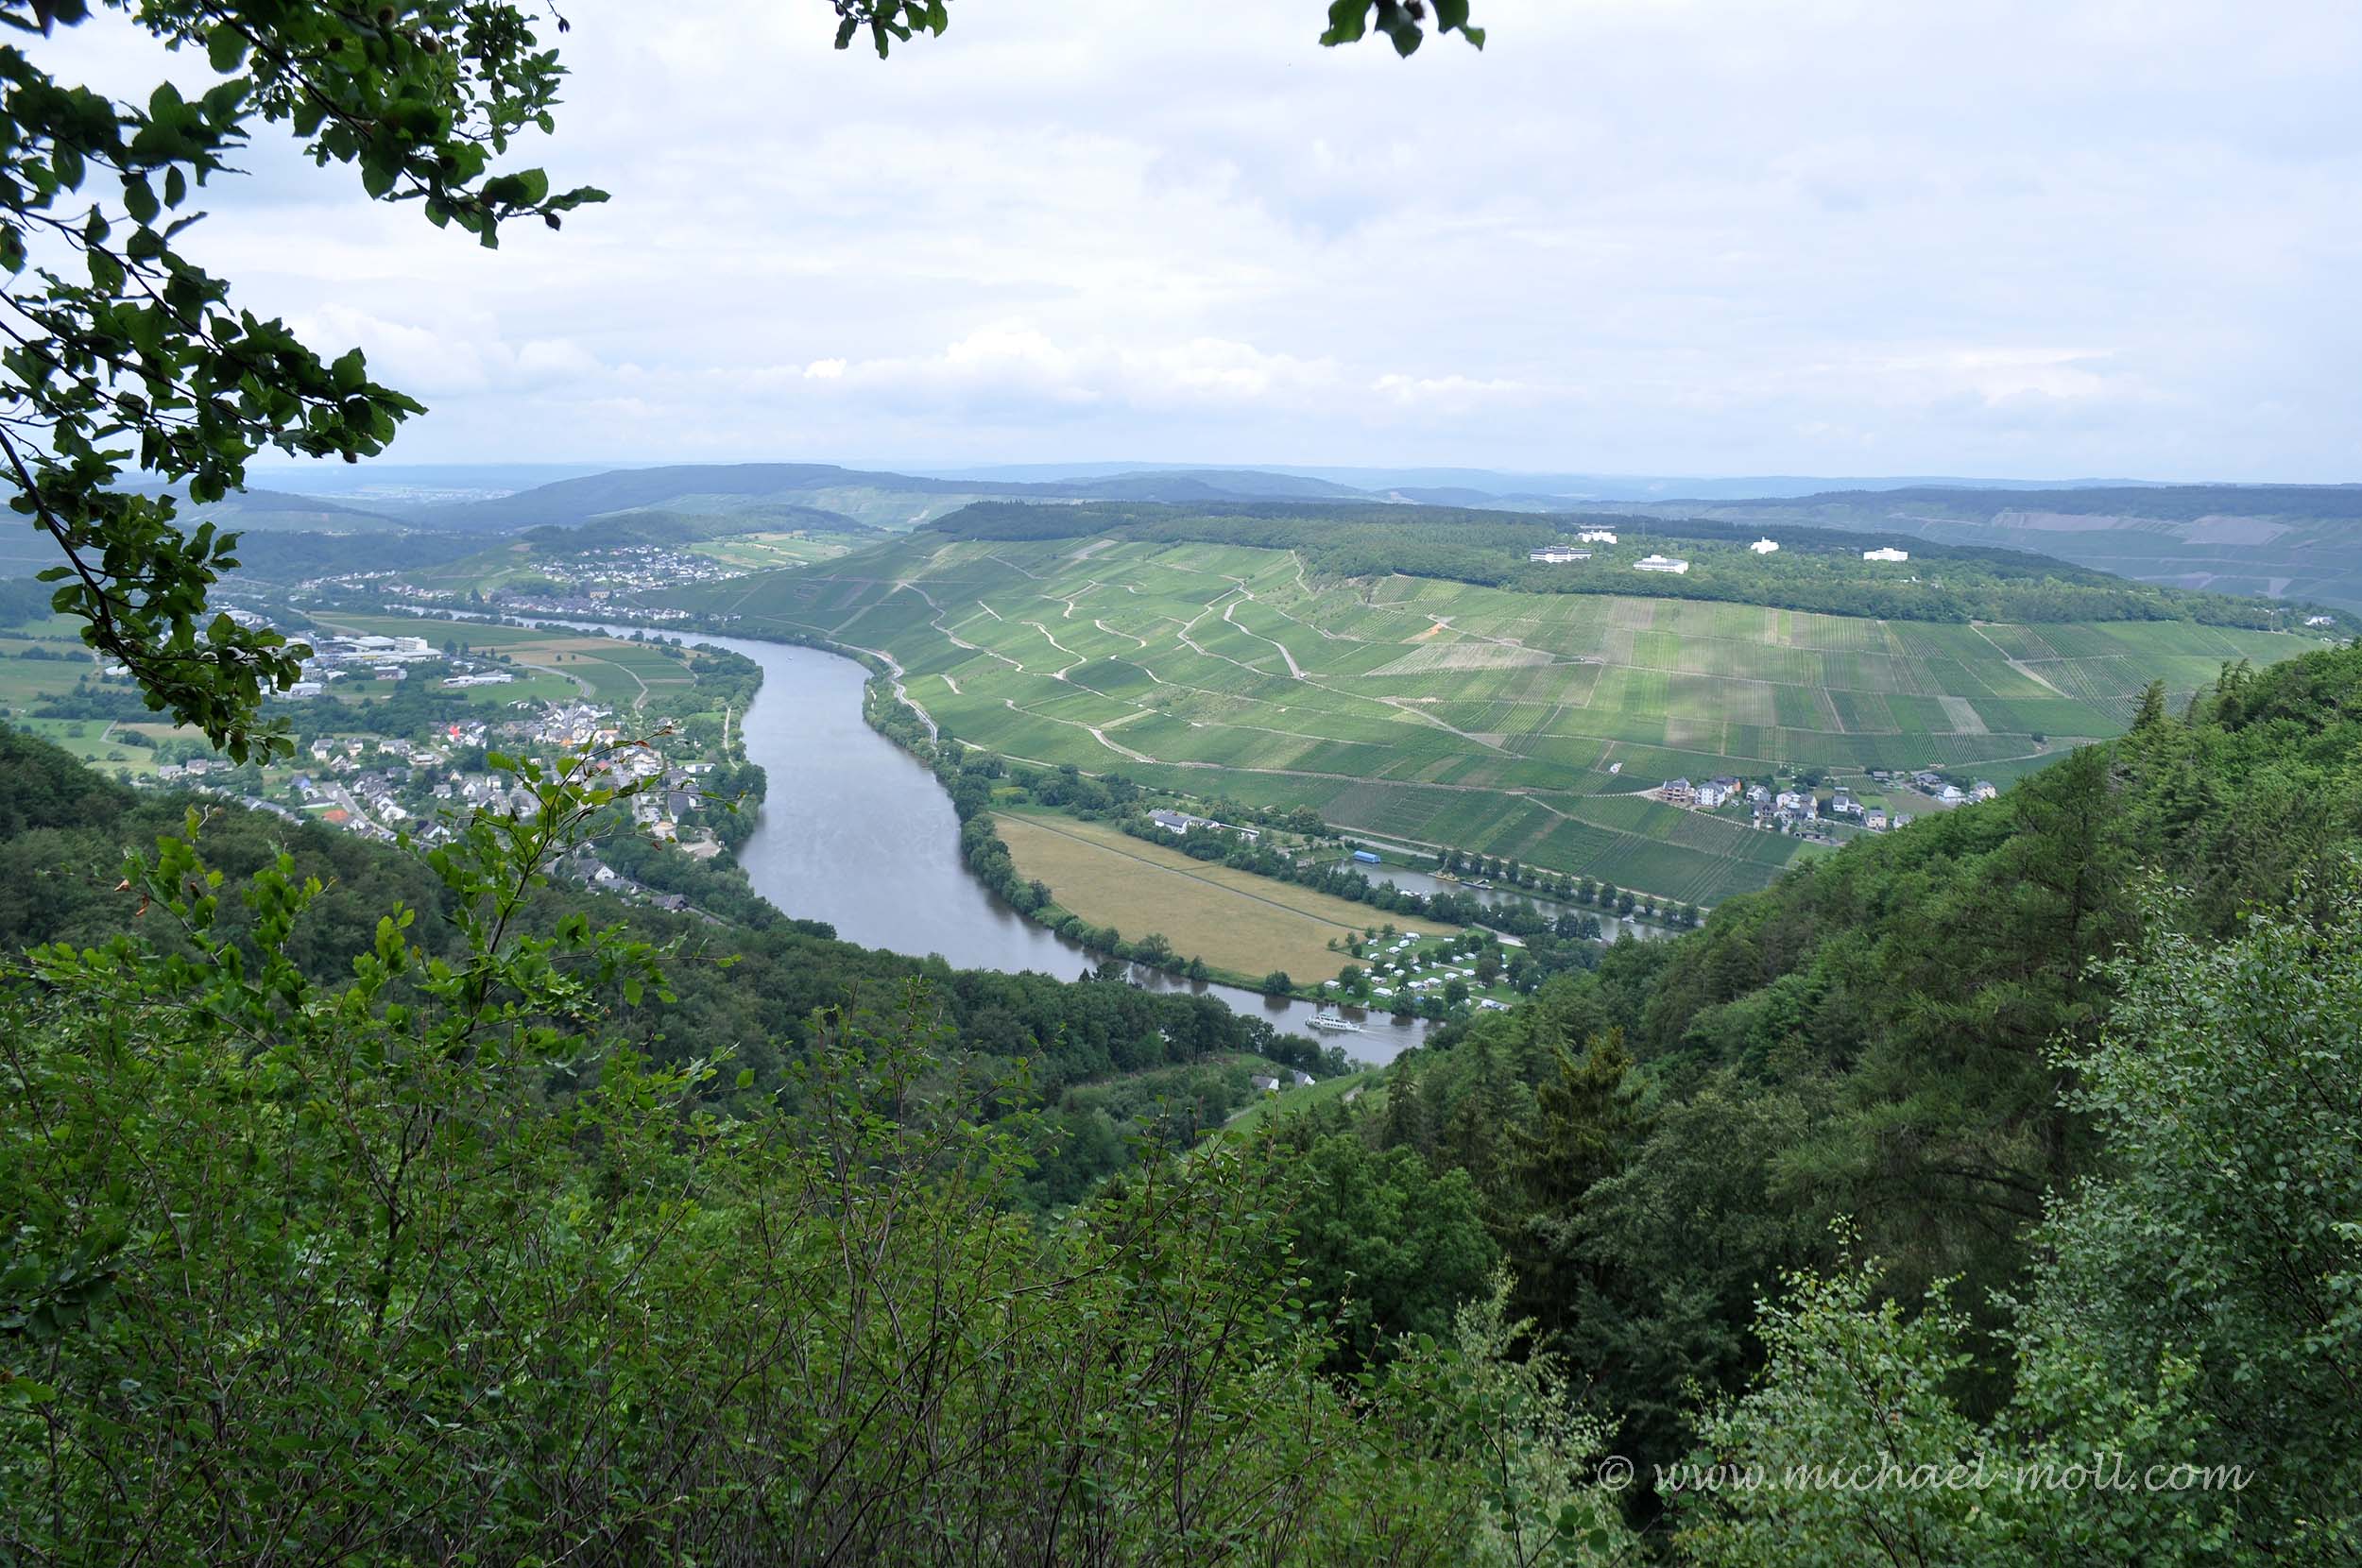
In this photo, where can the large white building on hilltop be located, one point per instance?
(1887, 553)
(1765, 547)
(1659, 563)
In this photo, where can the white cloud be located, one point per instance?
(2051, 236)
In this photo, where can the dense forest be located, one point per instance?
(1817, 569)
(1902, 1068)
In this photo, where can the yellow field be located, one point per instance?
(1233, 920)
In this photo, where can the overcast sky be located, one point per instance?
(2052, 238)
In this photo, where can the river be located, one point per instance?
(857, 832)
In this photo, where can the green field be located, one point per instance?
(1506, 723)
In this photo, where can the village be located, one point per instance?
(586, 583)
(1811, 810)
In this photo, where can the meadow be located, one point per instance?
(1439, 712)
(1233, 920)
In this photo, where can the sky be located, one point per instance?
(2014, 238)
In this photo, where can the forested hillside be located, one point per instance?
(1104, 1061)
(1884, 1057)
(403, 1208)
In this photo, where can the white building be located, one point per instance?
(1765, 547)
(1595, 535)
(1659, 563)
(1886, 552)
(1558, 555)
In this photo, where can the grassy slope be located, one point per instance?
(1454, 714)
(1233, 920)
(1362, 1085)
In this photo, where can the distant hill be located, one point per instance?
(2281, 542)
(868, 497)
(254, 511)
(1518, 490)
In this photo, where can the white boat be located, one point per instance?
(1335, 1022)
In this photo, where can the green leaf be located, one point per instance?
(226, 48)
(139, 198)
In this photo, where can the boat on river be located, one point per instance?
(1333, 1022)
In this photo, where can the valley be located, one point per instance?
(1453, 714)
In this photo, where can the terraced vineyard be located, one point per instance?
(1508, 724)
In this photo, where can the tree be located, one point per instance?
(1389, 1247)
(2190, 1330)
(1277, 983)
(128, 341)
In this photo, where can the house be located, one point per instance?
(1595, 535)
(1982, 790)
(1765, 547)
(1711, 794)
(1659, 563)
(1678, 792)
(1265, 1083)
(1886, 552)
(1303, 1079)
(1176, 822)
(1875, 821)
(1792, 800)
(1558, 555)
(1841, 803)
(2320, 620)
(1759, 794)
(1951, 794)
